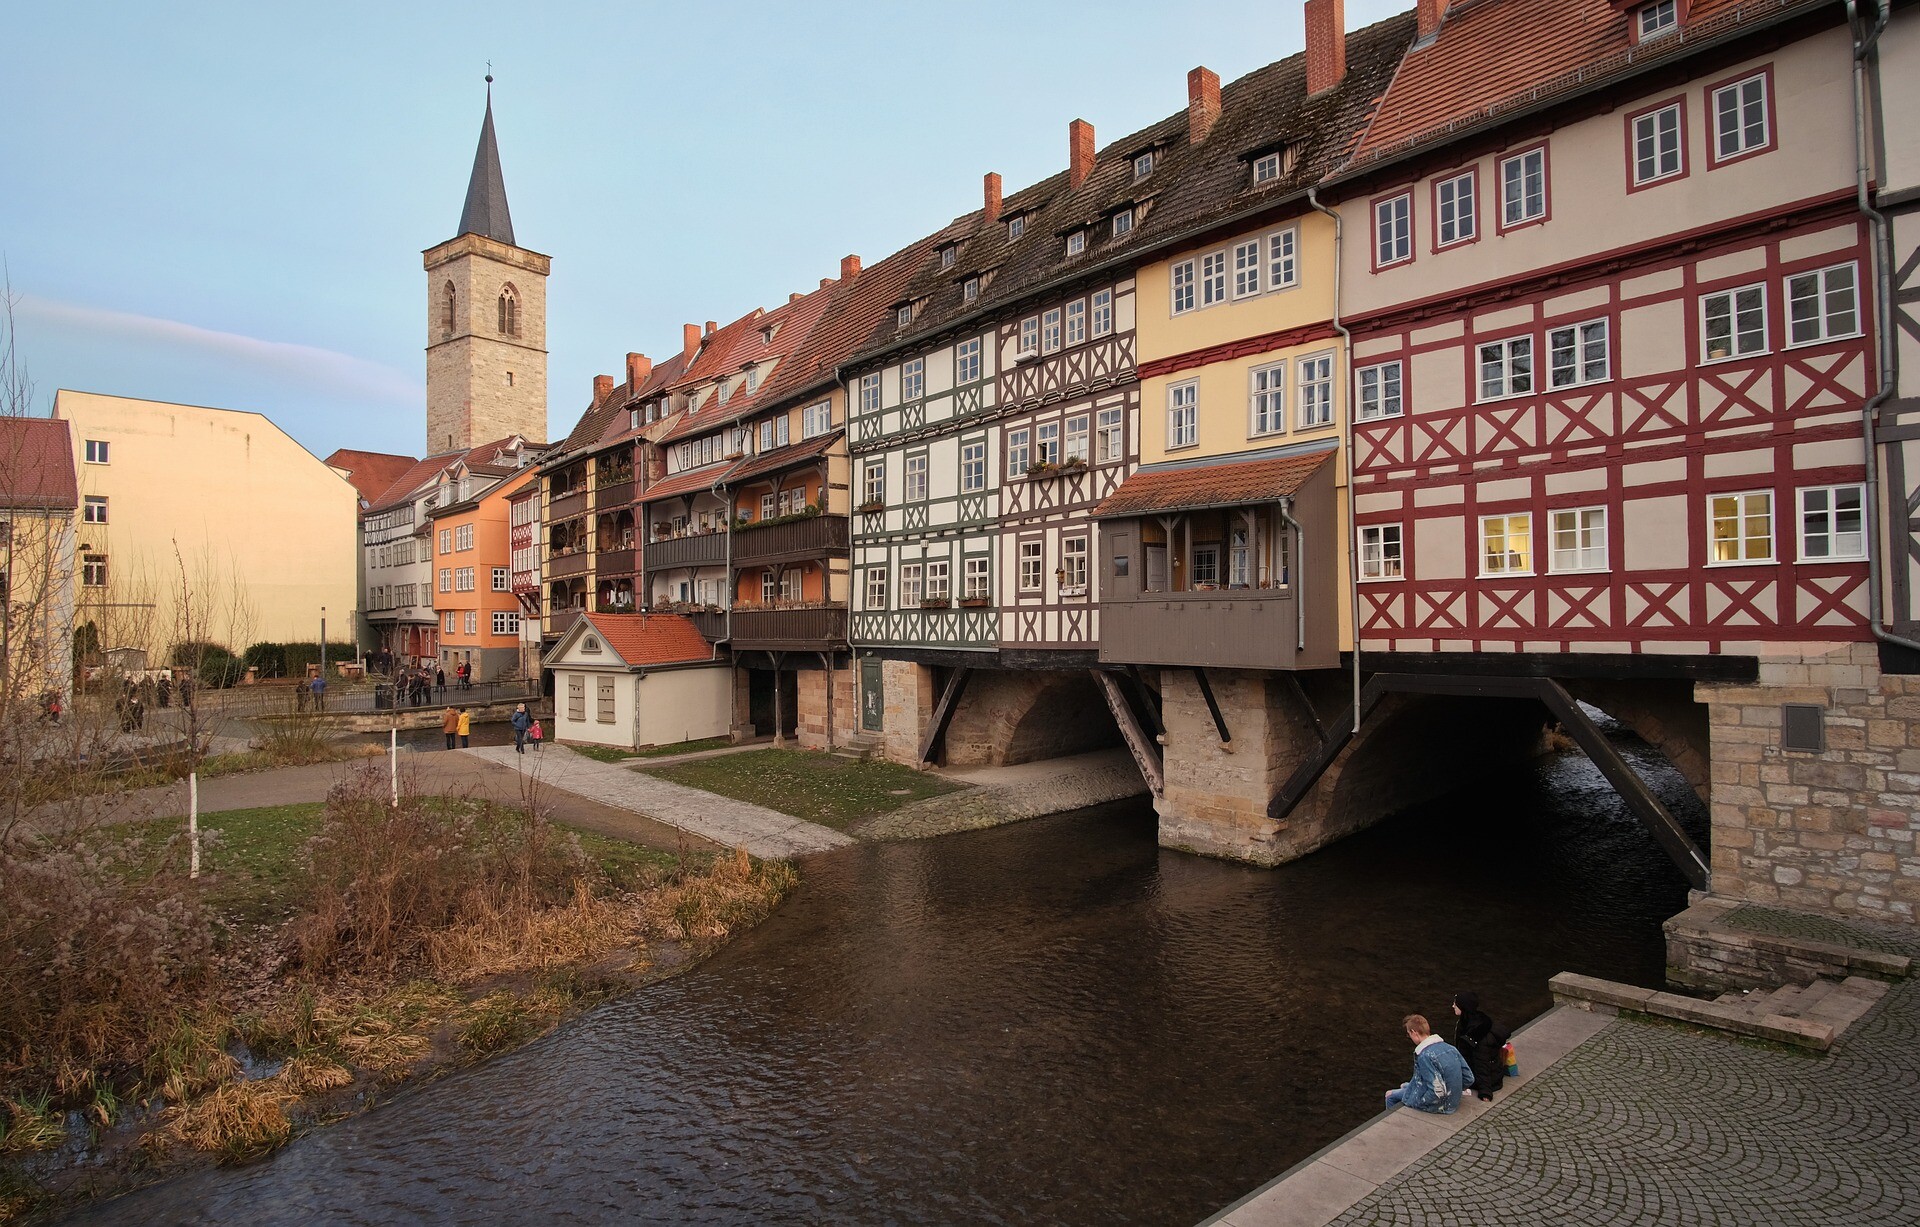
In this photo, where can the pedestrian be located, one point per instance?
(319, 687)
(450, 725)
(1482, 1043)
(299, 699)
(536, 734)
(440, 680)
(166, 689)
(521, 723)
(466, 727)
(1439, 1075)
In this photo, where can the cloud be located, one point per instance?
(323, 371)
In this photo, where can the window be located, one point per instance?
(1076, 242)
(1183, 287)
(1102, 313)
(1393, 230)
(1657, 18)
(1656, 145)
(472, 622)
(1506, 368)
(966, 361)
(502, 580)
(93, 570)
(1077, 438)
(1580, 539)
(1122, 223)
(603, 700)
(1283, 261)
(1455, 216)
(96, 451)
(769, 586)
(1213, 278)
(506, 622)
(463, 537)
(913, 379)
(1016, 226)
(509, 313)
(1183, 415)
(937, 585)
(910, 588)
(916, 488)
(576, 697)
(978, 579)
(816, 420)
(1050, 332)
(876, 587)
(446, 541)
(1246, 269)
(452, 623)
(446, 579)
(446, 310)
(1735, 322)
(1030, 566)
(970, 289)
(1266, 168)
(1577, 354)
(874, 485)
(947, 256)
(1740, 119)
(1741, 526)
(1047, 443)
(870, 393)
(903, 315)
(1143, 164)
(1030, 335)
(1019, 452)
(753, 379)
(769, 505)
(1831, 524)
(1110, 438)
(95, 511)
(1206, 565)
(1523, 188)
(773, 434)
(1379, 391)
(1076, 322)
(1821, 305)
(1073, 561)
(1380, 552)
(1506, 544)
(463, 579)
(973, 466)
(1316, 391)
(1268, 399)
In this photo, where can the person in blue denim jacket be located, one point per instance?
(1440, 1076)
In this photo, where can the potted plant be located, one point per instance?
(1039, 468)
(975, 602)
(1072, 462)
(872, 505)
(934, 602)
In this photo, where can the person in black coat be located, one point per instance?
(1481, 1042)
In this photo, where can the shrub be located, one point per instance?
(269, 659)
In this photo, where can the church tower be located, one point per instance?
(486, 320)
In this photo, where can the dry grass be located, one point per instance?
(237, 1121)
(704, 909)
(312, 1074)
(32, 1124)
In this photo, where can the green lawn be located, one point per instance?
(685, 747)
(819, 787)
(604, 754)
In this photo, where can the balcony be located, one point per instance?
(1228, 629)
(710, 623)
(560, 506)
(696, 550)
(795, 541)
(812, 629)
(559, 621)
(614, 494)
(564, 566)
(615, 561)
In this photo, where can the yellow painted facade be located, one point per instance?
(262, 529)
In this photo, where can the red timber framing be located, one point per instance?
(1647, 445)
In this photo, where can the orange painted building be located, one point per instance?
(473, 595)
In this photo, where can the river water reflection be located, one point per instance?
(1048, 1022)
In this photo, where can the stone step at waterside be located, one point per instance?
(1810, 1016)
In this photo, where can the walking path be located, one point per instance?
(1008, 794)
(761, 831)
(1619, 1121)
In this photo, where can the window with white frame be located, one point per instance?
(1832, 523)
(1455, 214)
(911, 589)
(903, 314)
(1142, 165)
(769, 505)
(1579, 539)
(966, 360)
(1046, 443)
(95, 510)
(1206, 565)
(1741, 526)
(1016, 226)
(1740, 117)
(1183, 287)
(1379, 390)
(816, 420)
(1822, 305)
(463, 579)
(970, 289)
(506, 622)
(1506, 544)
(1577, 354)
(870, 393)
(502, 580)
(1523, 188)
(1073, 561)
(1267, 396)
(93, 567)
(1393, 230)
(873, 487)
(1316, 391)
(973, 466)
(1050, 332)
(773, 433)
(1239, 557)
(1246, 268)
(463, 537)
(1108, 423)
(1733, 323)
(1077, 438)
(1283, 259)
(1019, 452)
(1076, 321)
(913, 379)
(978, 579)
(1657, 18)
(1380, 556)
(1123, 223)
(97, 451)
(1183, 414)
(916, 485)
(1506, 368)
(1076, 242)
(947, 256)
(1102, 312)
(1656, 145)
(1266, 167)
(937, 584)
(452, 623)
(1031, 564)
(876, 587)
(1213, 278)
(446, 579)
(472, 621)
(1030, 335)
(446, 541)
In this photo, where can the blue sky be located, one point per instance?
(225, 204)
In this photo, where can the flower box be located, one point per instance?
(975, 602)
(1039, 468)
(871, 505)
(935, 603)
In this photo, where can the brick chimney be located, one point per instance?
(1203, 103)
(1079, 152)
(639, 366)
(1430, 13)
(1326, 44)
(689, 339)
(991, 205)
(711, 328)
(602, 388)
(849, 267)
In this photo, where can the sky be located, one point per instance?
(225, 204)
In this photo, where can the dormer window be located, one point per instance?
(970, 289)
(1266, 168)
(947, 256)
(723, 392)
(753, 379)
(1660, 17)
(1076, 242)
(1122, 223)
(1016, 226)
(1142, 165)
(904, 315)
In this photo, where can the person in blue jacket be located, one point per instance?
(521, 723)
(1440, 1075)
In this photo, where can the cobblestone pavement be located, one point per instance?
(1008, 794)
(1647, 1124)
(761, 831)
(1780, 923)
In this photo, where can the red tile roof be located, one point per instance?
(36, 464)
(780, 457)
(686, 483)
(409, 483)
(1211, 484)
(651, 639)
(371, 473)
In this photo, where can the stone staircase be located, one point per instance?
(1801, 1015)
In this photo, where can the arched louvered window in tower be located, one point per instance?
(509, 312)
(446, 310)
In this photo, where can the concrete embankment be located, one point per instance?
(996, 795)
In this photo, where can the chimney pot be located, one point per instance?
(1203, 103)
(639, 366)
(602, 388)
(689, 338)
(991, 205)
(1430, 13)
(1079, 153)
(849, 267)
(711, 326)
(1326, 44)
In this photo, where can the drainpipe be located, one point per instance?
(1346, 450)
(719, 490)
(1300, 579)
(1864, 41)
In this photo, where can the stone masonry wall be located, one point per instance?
(909, 697)
(1832, 832)
(1011, 716)
(811, 732)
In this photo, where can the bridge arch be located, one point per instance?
(1009, 716)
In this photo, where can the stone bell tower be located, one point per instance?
(486, 320)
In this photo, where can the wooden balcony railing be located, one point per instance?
(699, 550)
(810, 629)
(815, 537)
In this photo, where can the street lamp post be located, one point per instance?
(323, 641)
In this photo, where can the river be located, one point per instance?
(1050, 1022)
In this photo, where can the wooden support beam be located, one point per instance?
(1306, 704)
(943, 715)
(1149, 703)
(1213, 706)
(1308, 773)
(1145, 752)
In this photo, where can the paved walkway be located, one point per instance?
(1642, 1123)
(1008, 794)
(761, 831)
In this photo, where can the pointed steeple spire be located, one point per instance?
(486, 208)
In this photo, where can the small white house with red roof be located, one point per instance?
(635, 680)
